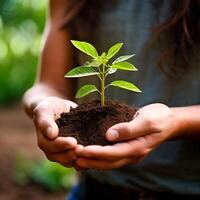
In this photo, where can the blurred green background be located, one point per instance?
(25, 173)
(21, 27)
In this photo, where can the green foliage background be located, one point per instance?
(21, 27)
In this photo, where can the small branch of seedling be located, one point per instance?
(100, 67)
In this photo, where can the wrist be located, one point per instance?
(178, 122)
(187, 122)
(36, 95)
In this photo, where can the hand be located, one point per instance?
(151, 125)
(57, 149)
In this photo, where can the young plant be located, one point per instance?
(99, 66)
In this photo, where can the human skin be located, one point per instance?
(52, 94)
(47, 98)
(152, 125)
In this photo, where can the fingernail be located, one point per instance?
(113, 134)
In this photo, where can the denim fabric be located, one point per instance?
(77, 193)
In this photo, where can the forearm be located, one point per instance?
(187, 122)
(56, 59)
(52, 68)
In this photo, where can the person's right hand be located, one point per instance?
(56, 149)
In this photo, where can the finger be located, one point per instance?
(72, 104)
(78, 168)
(47, 125)
(62, 106)
(129, 130)
(57, 145)
(101, 164)
(66, 158)
(134, 148)
(78, 149)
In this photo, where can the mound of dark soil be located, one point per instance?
(89, 121)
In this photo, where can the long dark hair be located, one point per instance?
(181, 30)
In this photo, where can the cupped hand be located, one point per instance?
(151, 125)
(57, 149)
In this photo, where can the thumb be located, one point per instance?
(119, 132)
(128, 130)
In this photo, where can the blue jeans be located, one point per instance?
(77, 192)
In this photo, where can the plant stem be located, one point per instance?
(103, 86)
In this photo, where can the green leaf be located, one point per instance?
(81, 72)
(112, 70)
(93, 63)
(103, 54)
(85, 90)
(113, 50)
(124, 66)
(125, 85)
(85, 47)
(123, 58)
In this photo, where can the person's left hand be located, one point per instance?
(151, 125)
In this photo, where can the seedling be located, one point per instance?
(99, 66)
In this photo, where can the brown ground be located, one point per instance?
(17, 135)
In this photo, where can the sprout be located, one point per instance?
(99, 66)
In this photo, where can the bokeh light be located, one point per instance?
(21, 27)
(3, 50)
